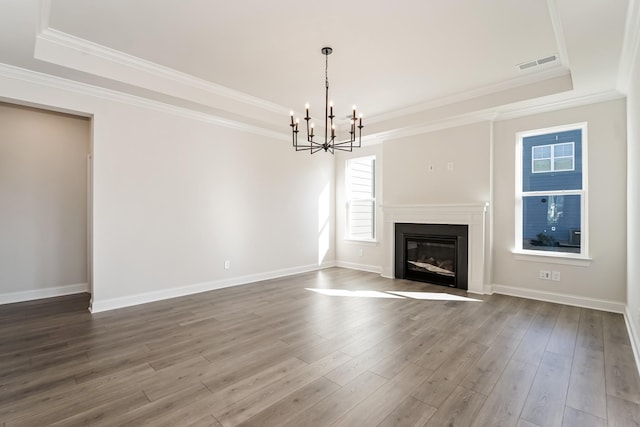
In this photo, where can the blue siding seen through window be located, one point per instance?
(556, 180)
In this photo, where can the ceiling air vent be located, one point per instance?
(537, 62)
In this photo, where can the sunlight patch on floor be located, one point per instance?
(432, 296)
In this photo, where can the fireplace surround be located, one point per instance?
(472, 215)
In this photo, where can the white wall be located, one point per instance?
(175, 196)
(605, 278)
(43, 203)
(408, 178)
(633, 200)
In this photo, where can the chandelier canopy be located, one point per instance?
(330, 144)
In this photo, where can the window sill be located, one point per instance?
(552, 258)
(361, 242)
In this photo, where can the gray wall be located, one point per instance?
(43, 200)
(605, 277)
(409, 178)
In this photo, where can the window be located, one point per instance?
(552, 158)
(551, 191)
(361, 198)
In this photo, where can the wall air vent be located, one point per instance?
(537, 62)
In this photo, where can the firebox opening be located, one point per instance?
(432, 253)
(433, 256)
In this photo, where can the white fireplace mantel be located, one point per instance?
(472, 215)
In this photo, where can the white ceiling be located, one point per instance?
(255, 55)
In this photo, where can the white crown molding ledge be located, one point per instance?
(508, 85)
(69, 51)
(558, 31)
(630, 46)
(12, 72)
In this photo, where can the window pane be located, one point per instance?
(541, 165)
(565, 163)
(540, 177)
(361, 178)
(361, 193)
(543, 152)
(361, 224)
(563, 150)
(551, 223)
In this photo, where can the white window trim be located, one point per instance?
(581, 259)
(348, 237)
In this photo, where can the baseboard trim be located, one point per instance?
(98, 306)
(597, 304)
(633, 337)
(361, 267)
(35, 294)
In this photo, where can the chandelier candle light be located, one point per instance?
(329, 143)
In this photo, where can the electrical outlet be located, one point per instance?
(450, 166)
(555, 276)
(545, 275)
(227, 265)
(361, 252)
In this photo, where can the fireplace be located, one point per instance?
(473, 216)
(432, 253)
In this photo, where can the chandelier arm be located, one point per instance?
(313, 144)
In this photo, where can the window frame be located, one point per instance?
(537, 255)
(349, 201)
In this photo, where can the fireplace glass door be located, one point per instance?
(431, 259)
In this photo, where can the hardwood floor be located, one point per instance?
(276, 353)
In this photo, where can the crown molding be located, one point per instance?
(44, 9)
(431, 126)
(539, 76)
(187, 84)
(55, 82)
(488, 115)
(513, 111)
(508, 113)
(558, 31)
(630, 46)
(87, 50)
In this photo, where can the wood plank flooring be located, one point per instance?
(315, 350)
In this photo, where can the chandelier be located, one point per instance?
(330, 144)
